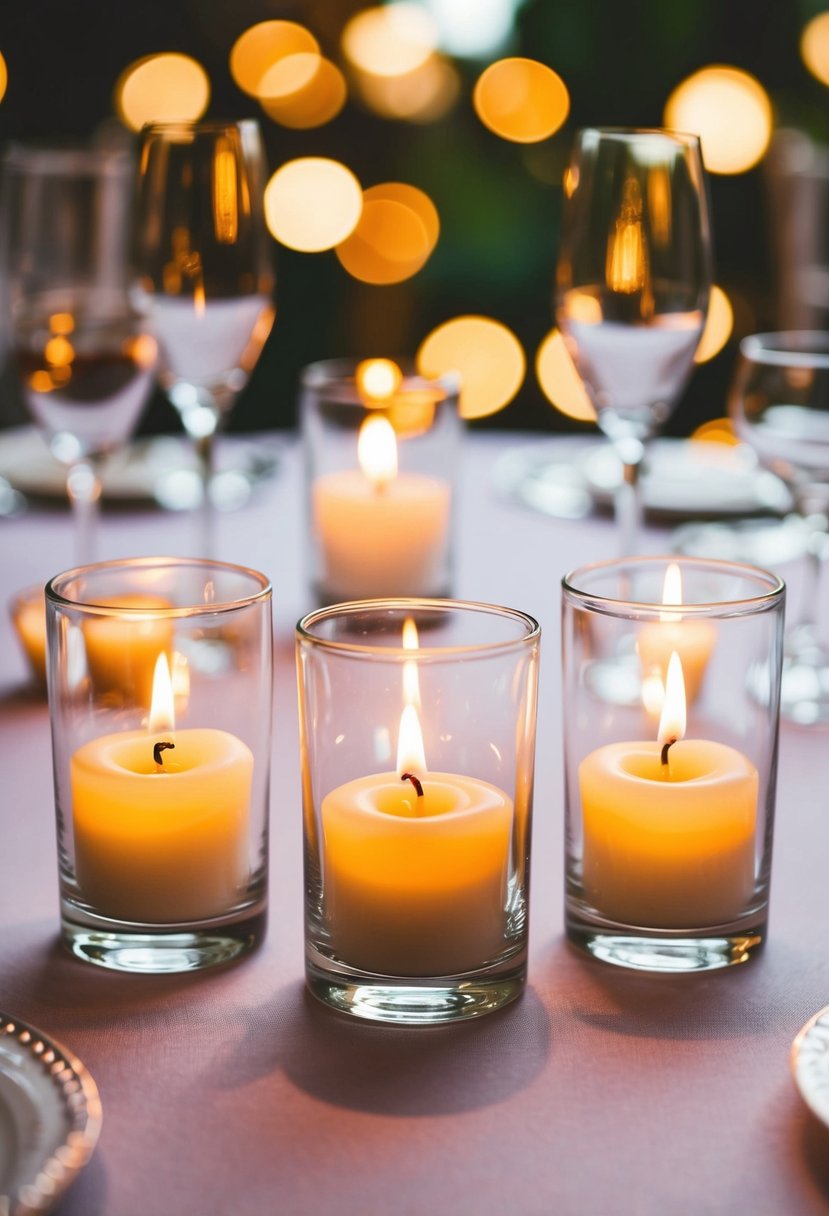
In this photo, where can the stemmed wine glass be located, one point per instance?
(85, 362)
(205, 279)
(632, 285)
(779, 404)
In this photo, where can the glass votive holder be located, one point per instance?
(670, 802)
(417, 728)
(28, 613)
(381, 457)
(160, 677)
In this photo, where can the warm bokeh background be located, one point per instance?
(408, 94)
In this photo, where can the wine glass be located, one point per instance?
(205, 279)
(632, 285)
(779, 404)
(85, 362)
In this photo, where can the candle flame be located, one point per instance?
(672, 719)
(411, 757)
(162, 707)
(672, 592)
(377, 380)
(377, 451)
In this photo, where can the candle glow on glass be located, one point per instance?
(693, 640)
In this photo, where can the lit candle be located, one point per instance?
(692, 640)
(161, 818)
(415, 863)
(29, 616)
(669, 827)
(121, 651)
(381, 532)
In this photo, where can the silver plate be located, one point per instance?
(50, 1118)
(810, 1064)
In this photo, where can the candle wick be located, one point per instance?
(158, 749)
(669, 744)
(415, 782)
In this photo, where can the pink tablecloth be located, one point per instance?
(599, 1092)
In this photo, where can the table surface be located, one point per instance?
(600, 1091)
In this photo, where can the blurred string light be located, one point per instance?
(392, 57)
(560, 382)
(303, 90)
(485, 354)
(729, 110)
(258, 49)
(718, 326)
(814, 47)
(521, 100)
(396, 232)
(472, 29)
(168, 87)
(4, 77)
(312, 204)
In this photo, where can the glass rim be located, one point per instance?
(339, 373)
(788, 348)
(54, 594)
(368, 650)
(616, 132)
(738, 606)
(207, 126)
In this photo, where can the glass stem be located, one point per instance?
(806, 622)
(206, 453)
(629, 502)
(83, 485)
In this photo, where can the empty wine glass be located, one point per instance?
(205, 278)
(632, 285)
(85, 362)
(780, 406)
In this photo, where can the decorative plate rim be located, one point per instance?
(810, 1063)
(78, 1094)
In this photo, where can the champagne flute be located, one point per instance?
(85, 363)
(780, 407)
(632, 285)
(205, 279)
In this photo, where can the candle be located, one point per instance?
(415, 864)
(121, 652)
(669, 827)
(692, 640)
(161, 818)
(29, 616)
(381, 532)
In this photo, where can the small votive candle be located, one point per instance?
(28, 613)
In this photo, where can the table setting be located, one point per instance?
(401, 812)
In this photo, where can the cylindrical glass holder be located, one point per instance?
(160, 678)
(377, 530)
(417, 726)
(668, 849)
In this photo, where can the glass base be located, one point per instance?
(162, 952)
(409, 1003)
(668, 954)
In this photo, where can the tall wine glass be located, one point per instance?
(85, 362)
(780, 407)
(205, 279)
(632, 285)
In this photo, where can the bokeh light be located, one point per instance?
(391, 40)
(814, 47)
(256, 51)
(521, 100)
(560, 382)
(397, 231)
(486, 355)
(717, 430)
(718, 326)
(473, 29)
(729, 110)
(423, 95)
(162, 88)
(4, 77)
(312, 204)
(303, 90)
(377, 380)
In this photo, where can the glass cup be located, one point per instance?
(417, 727)
(381, 453)
(160, 676)
(670, 803)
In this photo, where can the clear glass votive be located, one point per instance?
(670, 803)
(417, 728)
(381, 455)
(160, 677)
